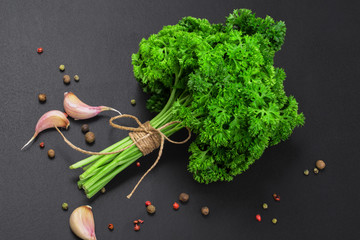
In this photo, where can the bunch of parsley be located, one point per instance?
(219, 80)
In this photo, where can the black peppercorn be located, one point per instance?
(89, 137)
(184, 197)
(85, 128)
(205, 211)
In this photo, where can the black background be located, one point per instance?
(95, 39)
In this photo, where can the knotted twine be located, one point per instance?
(145, 137)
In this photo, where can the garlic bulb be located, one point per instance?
(82, 223)
(79, 110)
(50, 119)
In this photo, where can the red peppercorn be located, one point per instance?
(176, 206)
(276, 197)
(258, 217)
(40, 50)
(137, 227)
(111, 227)
(42, 144)
(140, 221)
(136, 222)
(138, 164)
(147, 203)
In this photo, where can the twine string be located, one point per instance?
(145, 137)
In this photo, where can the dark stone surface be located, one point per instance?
(95, 39)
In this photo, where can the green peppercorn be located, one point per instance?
(133, 102)
(274, 220)
(65, 206)
(103, 190)
(66, 79)
(205, 211)
(85, 128)
(184, 197)
(151, 209)
(265, 206)
(316, 171)
(306, 172)
(51, 153)
(76, 78)
(90, 137)
(62, 67)
(42, 97)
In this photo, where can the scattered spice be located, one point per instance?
(138, 164)
(85, 128)
(66, 79)
(320, 164)
(42, 144)
(76, 78)
(306, 172)
(136, 221)
(133, 102)
(51, 153)
(40, 50)
(184, 197)
(62, 67)
(205, 211)
(65, 206)
(265, 206)
(42, 97)
(316, 171)
(274, 220)
(276, 197)
(137, 227)
(111, 226)
(176, 206)
(140, 221)
(147, 203)
(89, 137)
(151, 209)
(103, 190)
(258, 217)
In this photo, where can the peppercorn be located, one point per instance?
(147, 203)
(111, 226)
(136, 221)
(76, 78)
(85, 128)
(89, 137)
(184, 197)
(176, 206)
(40, 50)
(42, 97)
(316, 171)
(62, 67)
(205, 211)
(133, 102)
(274, 220)
(306, 172)
(276, 197)
(137, 227)
(320, 164)
(138, 164)
(66, 79)
(151, 209)
(51, 153)
(265, 206)
(65, 206)
(258, 217)
(103, 190)
(42, 144)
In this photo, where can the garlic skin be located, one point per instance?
(49, 120)
(82, 223)
(79, 110)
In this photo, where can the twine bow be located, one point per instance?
(145, 137)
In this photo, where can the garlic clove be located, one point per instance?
(49, 120)
(82, 223)
(79, 110)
